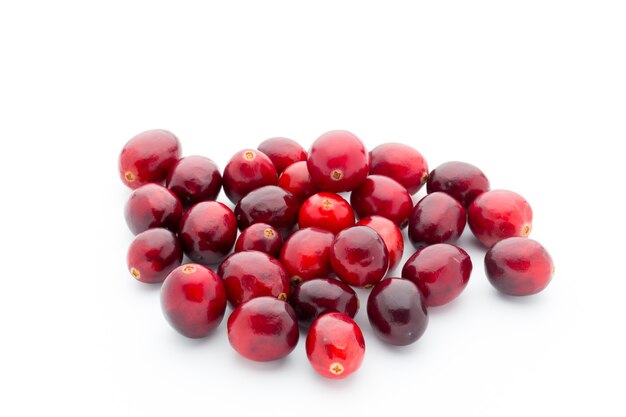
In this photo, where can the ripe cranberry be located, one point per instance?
(261, 237)
(193, 300)
(323, 295)
(519, 266)
(441, 272)
(271, 205)
(382, 196)
(296, 179)
(263, 329)
(153, 255)
(248, 170)
(335, 345)
(359, 256)
(207, 232)
(461, 180)
(150, 206)
(391, 235)
(250, 274)
(306, 254)
(195, 179)
(498, 214)
(148, 157)
(436, 218)
(283, 152)
(400, 162)
(327, 211)
(338, 161)
(396, 311)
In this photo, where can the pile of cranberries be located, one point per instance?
(300, 250)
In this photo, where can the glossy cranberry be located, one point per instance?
(251, 274)
(246, 171)
(519, 266)
(440, 271)
(193, 300)
(335, 345)
(323, 295)
(461, 180)
(382, 196)
(498, 214)
(283, 152)
(195, 179)
(359, 256)
(207, 232)
(150, 206)
(153, 255)
(338, 161)
(436, 218)
(269, 204)
(261, 237)
(327, 211)
(296, 179)
(400, 162)
(306, 254)
(148, 157)
(263, 329)
(391, 235)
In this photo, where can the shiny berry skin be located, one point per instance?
(153, 255)
(319, 296)
(296, 179)
(260, 237)
(327, 211)
(461, 180)
(335, 345)
(195, 179)
(391, 235)
(246, 171)
(396, 311)
(271, 205)
(306, 254)
(498, 214)
(400, 162)
(436, 218)
(207, 232)
(338, 161)
(283, 152)
(519, 266)
(263, 329)
(251, 274)
(440, 271)
(359, 256)
(382, 196)
(150, 206)
(193, 300)
(148, 157)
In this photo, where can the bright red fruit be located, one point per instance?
(283, 152)
(153, 255)
(400, 162)
(319, 296)
(327, 211)
(246, 171)
(261, 237)
(271, 205)
(391, 235)
(306, 254)
(297, 180)
(382, 196)
(436, 218)
(461, 180)
(195, 179)
(150, 206)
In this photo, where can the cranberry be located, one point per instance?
(296, 179)
(323, 295)
(250, 274)
(441, 272)
(383, 196)
(263, 329)
(498, 214)
(150, 206)
(148, 157)
(359, 256)
(436, 218)
(193, 300)
(335, 345)
(261, 237)
(153, 255)
(519, 266)
(338, 161)
(283, 152)
(306, 254)
(195, 179)
(207, 232)
(461, 180)
(248, 170)
(327, 211)
(271, 205)
(391, 235)
(400, 162)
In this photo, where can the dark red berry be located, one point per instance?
(246, 171)
(436, 218)
(195, 179)
(461, 180)
(283, 152)
(391, 235)
(306, 254)
(261, 237)
(400, 162)
(153, 255)
(271, 205)
(382, 196)
(323, 295)
(150, 206)
(327, 211)
(296, 179)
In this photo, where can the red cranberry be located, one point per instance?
(359, 256)
(461, 180)
(323, 295)
(150, 206)
(391, 235)
(306, 254)
(335, 345)
(400, 162)
(271, 205)
(251, 274)
(148, 157)
(195, 179)
(441, 272)
(327, 211)
(283, 152)
(436, 218)
(263, 329)
(396, 311)
(153, 255)
(261, 237)
(519, 266)
(193, 300)
(296, 179)
(338, 161)
(207, 232)
(498, 214)
(248, 170)
(382, 196)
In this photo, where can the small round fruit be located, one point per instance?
(323, 295)
(283, 152)
(306, 254)
(382, 196)
(461, 180)
(153, 255)
(400, 162)
(436, 218)
(327, 211)
(271, 205)
(150, 206)
(297, 180)
(246, 171)
(195, 179)
(260, 237)
(391, 235)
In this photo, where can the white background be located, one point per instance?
(532, 92)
